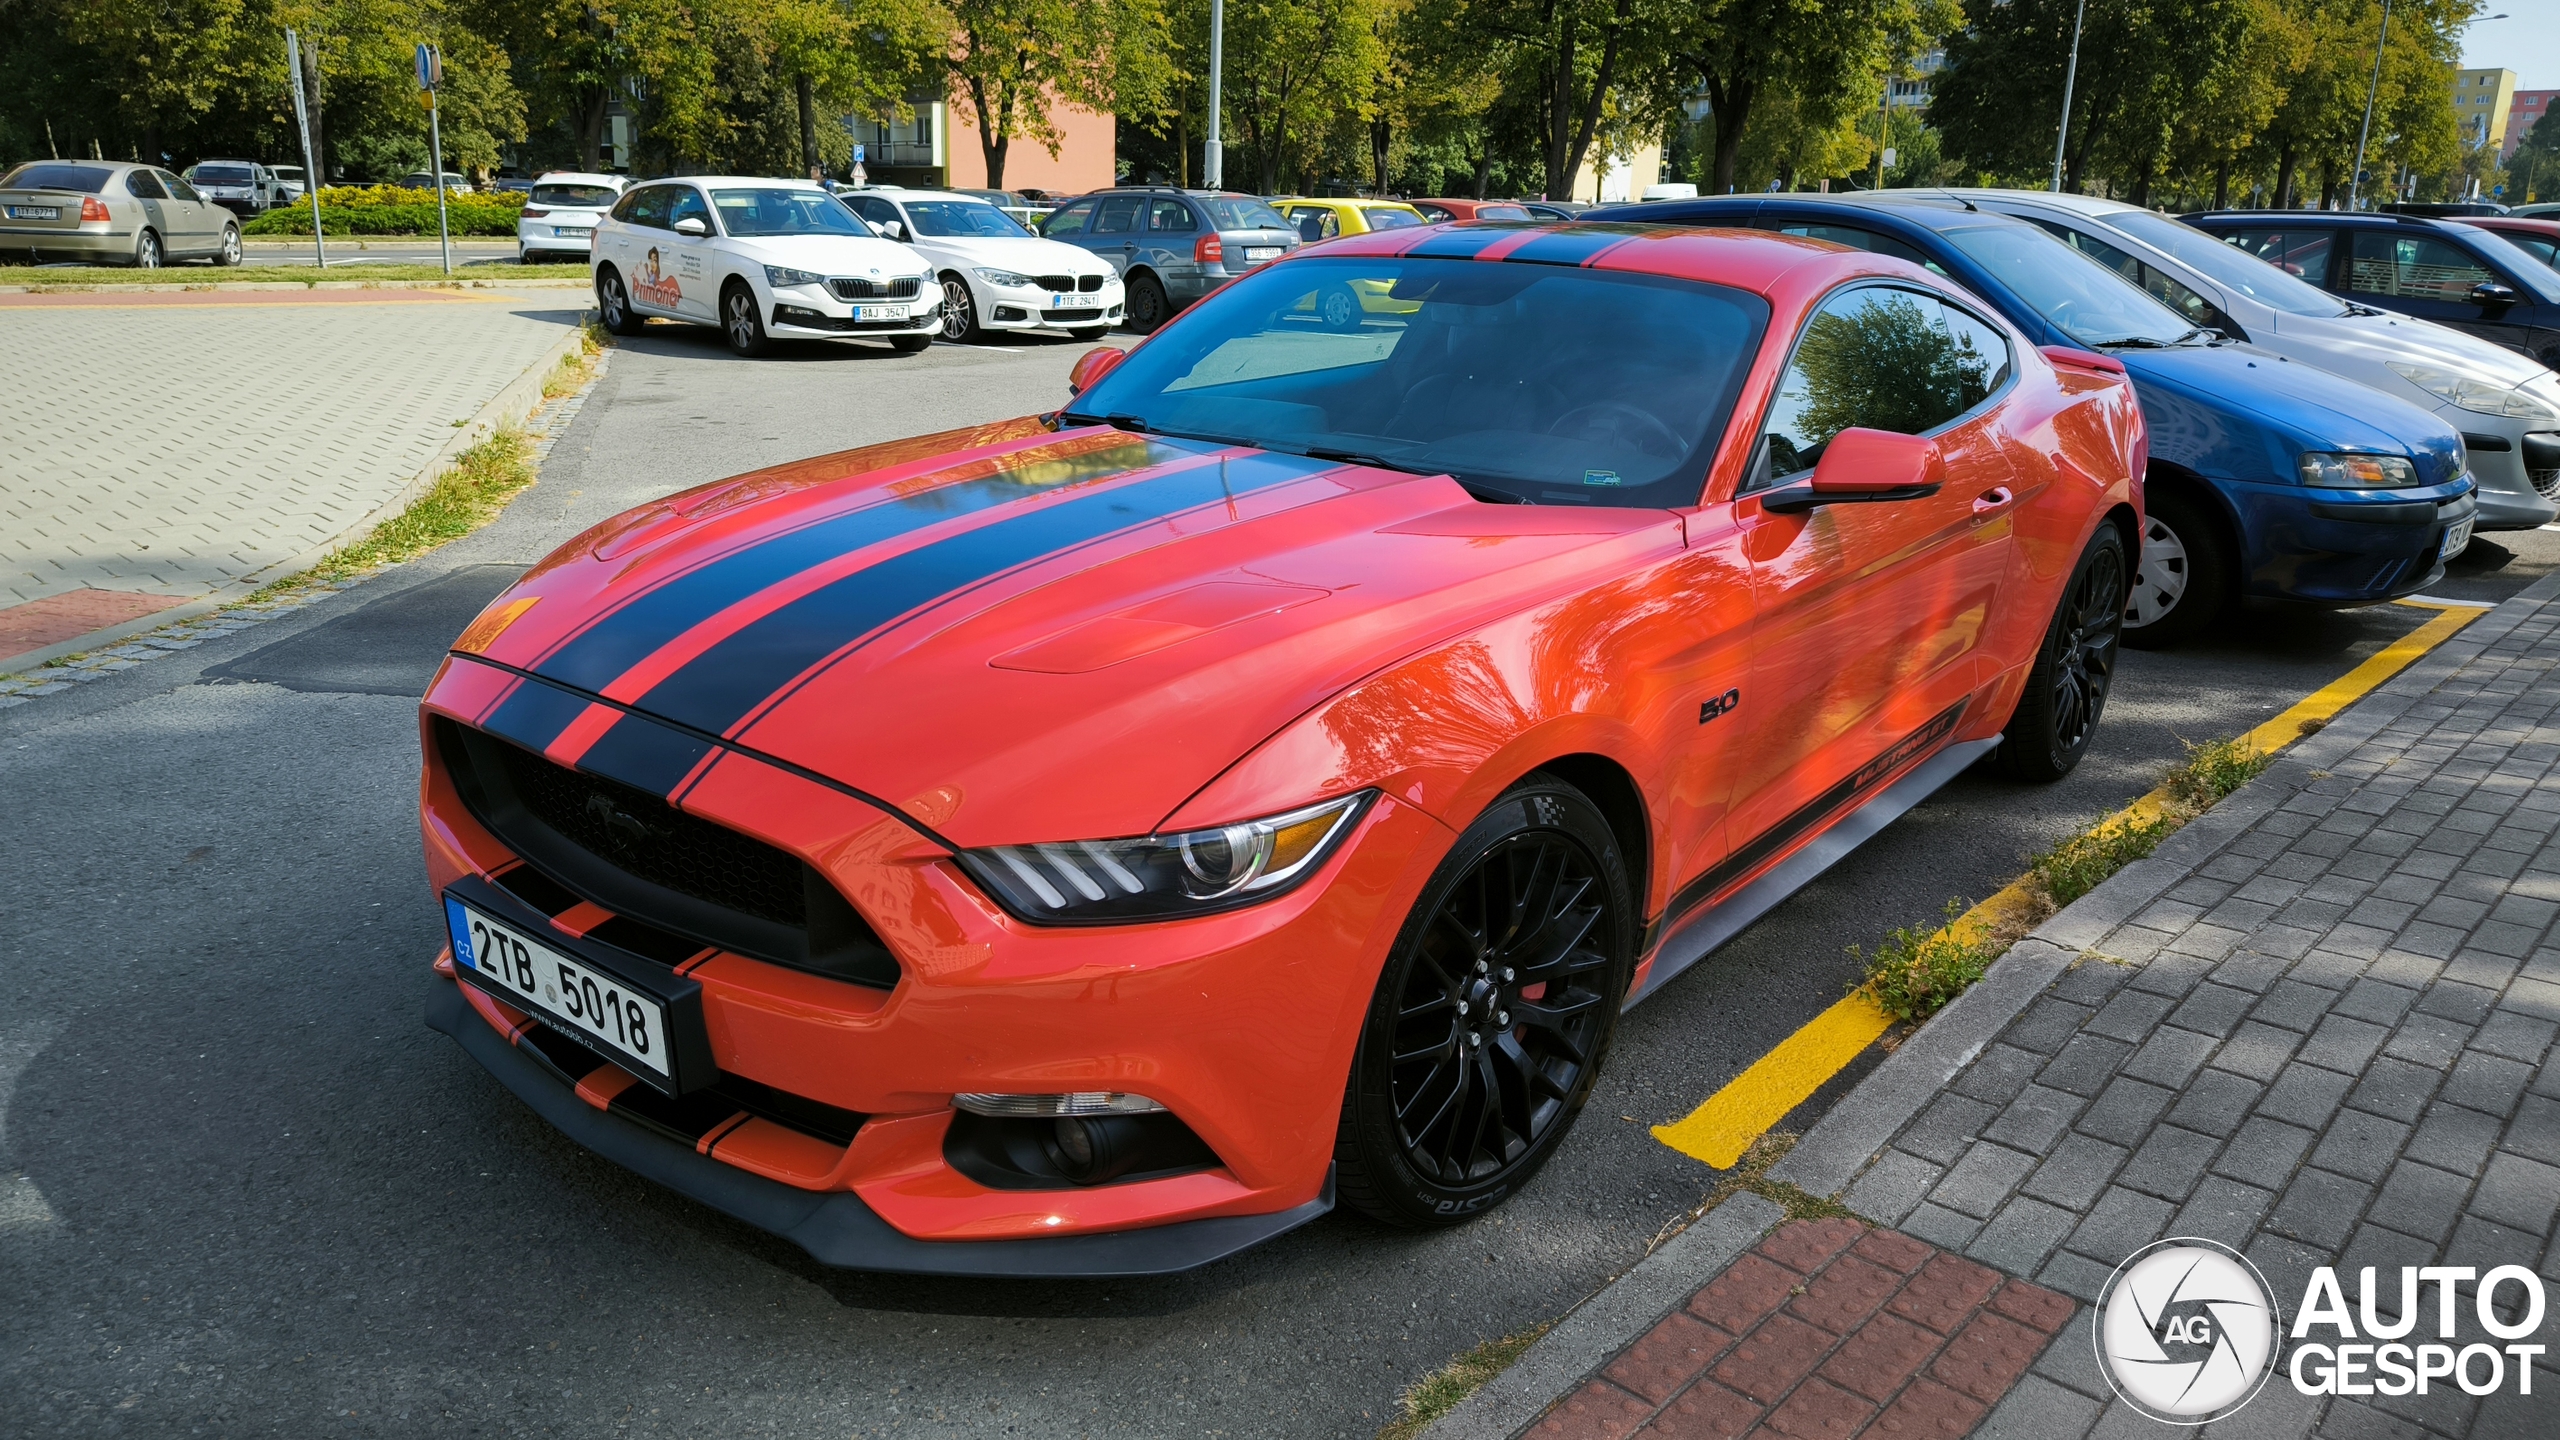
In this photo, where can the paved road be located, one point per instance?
(259, 1198)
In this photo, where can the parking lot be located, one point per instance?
(246, 1192)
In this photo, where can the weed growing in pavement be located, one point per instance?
(2073, 868)
(1913, 972)
(1441, 1391)
(2212, 770)
(575, 370)
(461, 500)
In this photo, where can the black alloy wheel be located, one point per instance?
(1493, 1015)
(1148, 307)
(146, 251)
(2075, 667)
(615, 302)
(959, 312)
(741, 322)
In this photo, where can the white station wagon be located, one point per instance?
(762, 259)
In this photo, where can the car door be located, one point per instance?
(2431, 277)
(689, 262)
(199, 220)
(1872, 616)
(649, 254)
(1118, 222)
(144, 186)
(1071, 223)
(1172, 240)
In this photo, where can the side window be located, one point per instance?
(2413, 267)
(647, 206)
(1116, 215)
(2154, 282)
(2300, 253)
(143, 185)
(178, 189)
(1879, 358)
(1165, 216)
(687, 204)
(1067, 220)
(2546, 251)
(872, 208)
(1857, 238)
(1436, 214)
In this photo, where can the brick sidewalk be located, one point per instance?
(2321, 1033)
(165, 451)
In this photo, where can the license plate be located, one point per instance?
(574, 232)
(35, 212)
(1074, 302)
(879, 312)
(1256, 254)
(2457, 538)
(628, 1027)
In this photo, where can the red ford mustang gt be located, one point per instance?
(1096, 843)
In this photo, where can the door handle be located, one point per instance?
(1992, 501)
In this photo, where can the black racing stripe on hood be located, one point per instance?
(725, 684)
(534, 715)
(1581, 245)
(645, 754)
(598, 655)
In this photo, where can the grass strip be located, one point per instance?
(1444, 1389)
(209, 277)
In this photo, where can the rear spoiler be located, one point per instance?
(2070, 359)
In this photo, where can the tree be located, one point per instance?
(2533, 171)
(1830, 55)
(1011, 61)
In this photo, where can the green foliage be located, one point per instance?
(1884, 364)
(2077, 865)
(2214, 769)
(393, 210)
(1914, 972)
(1440, 1392)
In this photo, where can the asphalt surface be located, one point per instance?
(244, 1192)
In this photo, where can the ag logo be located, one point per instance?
(2185, 1331)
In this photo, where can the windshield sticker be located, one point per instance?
(1599, 477)
(657, 288)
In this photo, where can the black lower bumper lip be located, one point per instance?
(836, 1228)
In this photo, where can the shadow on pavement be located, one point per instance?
(389, 646)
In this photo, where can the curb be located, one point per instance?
(513, 402)
(1853, 1131)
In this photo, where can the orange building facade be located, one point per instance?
(940, 145)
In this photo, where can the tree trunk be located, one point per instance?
(808, 130)
(2284, 178)
(2222, 185)
(1181, 153)
(2141, 192)
(1484, 171)
(1731, 108)
(1559, 107)
(1378, 136)
(994, 119)
(2328, 186)
(591, 124)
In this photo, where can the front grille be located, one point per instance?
(634, 854)
(1087, 283)
(905, 287)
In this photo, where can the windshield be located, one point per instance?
(968, 218)
(2527, 272)
(2078, 296)
(2212, 258)
(746, 214)
(81, 179)
(1547, 384)
(1232, 214)
(577, 197)
(1501, 212)
(222, 174)
(1382, 218)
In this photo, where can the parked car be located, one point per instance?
(1440, 212)
(2542, 211)
(2442, 209)
(1105, 841)
(289, 181)
(2506, 406)
(1171, 246)
(1324, 219)
(243, 187)
(111, 212)
(513, 184)
(1555, 209)
(2536, 236)
(2441, 270)
(2266, 478)
(561, 210)
(995, 275)
(425, 180)
(761, 259)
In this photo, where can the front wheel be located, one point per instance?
(615, 302)
(959, 312)
(230, 252)
(1493, 1014)
(2182, 579)
(2075, 666)
(742, 322)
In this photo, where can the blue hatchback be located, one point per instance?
(2267, 478)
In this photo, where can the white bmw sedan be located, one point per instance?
(995, 274)
(764, 260)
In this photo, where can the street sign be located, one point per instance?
(430, 66)
(859, 154)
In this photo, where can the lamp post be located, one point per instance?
(1213, 163)
(2070, 77)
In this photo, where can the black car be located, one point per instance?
(2441, 270)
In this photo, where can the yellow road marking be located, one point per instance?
(1720, 1130)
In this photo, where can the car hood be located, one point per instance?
(2239, 412)
(831, 254)
(1036, 636)
(1025, 254)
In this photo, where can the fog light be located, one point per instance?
(1099, 1150)
(1081, 1102)
(1075, 1143)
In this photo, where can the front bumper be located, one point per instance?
(2345, 547)
(837, 1228)
(2509, 500)
(813, 311)
(1030, 310)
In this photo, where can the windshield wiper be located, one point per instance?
(2134, 342)
(1359, 457)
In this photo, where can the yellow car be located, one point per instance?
(1323, 220)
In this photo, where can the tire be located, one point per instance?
(1148, 307)
(742, 321)
(229, 254)
(911, 344)
(613, 301)
(146, 251)
(2074, 669)
(1090, 334)
(1338, 308)
(2182, 579)
(960, 313)
(1502, 1028)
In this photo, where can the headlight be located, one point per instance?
(779, 276)
(1005, 278)
(1158, 877)
(2481, 397)
(2356, 472)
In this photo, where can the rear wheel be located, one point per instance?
(1148, 307)
(2182, 578)
(146, 251)
(1338, 308)
(615, 302)
(741, 321)
(2075, 667)
(229, 254)
(1493, 1014)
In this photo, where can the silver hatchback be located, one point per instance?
(111, 212)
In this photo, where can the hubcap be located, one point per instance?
(612, 302)
(955, 310)
(150, 253)
(742, 321)
(1501, 1009)
(2088, 630)
(2160, 579)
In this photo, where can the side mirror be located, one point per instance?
(2490, 292)
(894, 229)
(1092, 365)
(692, 225)
(1865, 466)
